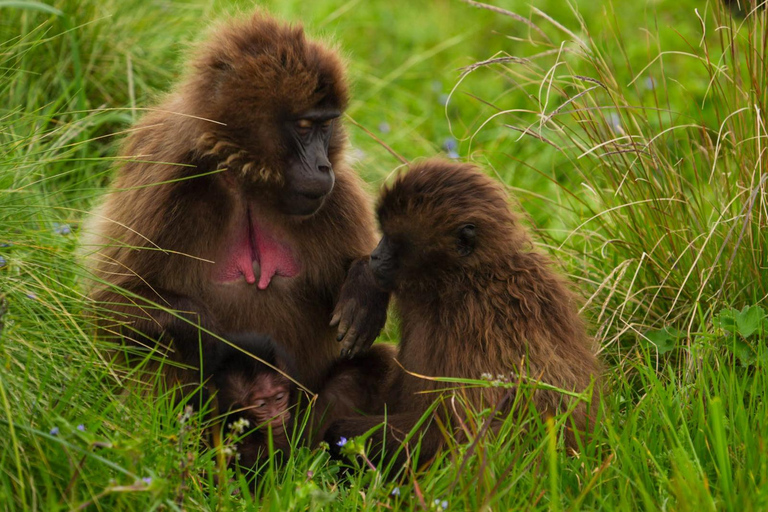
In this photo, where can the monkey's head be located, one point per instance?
(441, 217)
(248, 388)
(262, 398)
(274, 98)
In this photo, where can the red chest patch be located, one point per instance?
(253, 242)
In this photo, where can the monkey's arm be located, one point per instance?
(388, 443)
(361, 311)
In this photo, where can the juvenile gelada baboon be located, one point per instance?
(236, 208)
(473, 298)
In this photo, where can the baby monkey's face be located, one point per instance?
(268, 403)
(263, 400)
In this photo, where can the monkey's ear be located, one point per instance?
(467, 239)
(222, 65)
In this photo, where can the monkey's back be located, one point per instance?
(516, 316)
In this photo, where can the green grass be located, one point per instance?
(646, 179)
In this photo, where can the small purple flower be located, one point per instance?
(649, 83)
(81, 427)
(3, 262)
(453, 154)
(61, 229)
(444, 505)
(32, 296)
(147, 480)
(614, 121)
(395, 492)
(358, 154)
(342, 441)
(450, 144)
(443, 99)
(54, 431)
(384, 127)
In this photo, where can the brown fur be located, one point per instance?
(353, 386)
(163, 224)
(497, 310)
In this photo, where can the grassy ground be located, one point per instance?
(632, 133)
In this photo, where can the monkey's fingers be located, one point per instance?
(364, 330)
(344, 320)
(360, 337)
(336, 317)
(350, 347)
(341, 311)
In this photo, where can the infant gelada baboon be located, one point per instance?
(473, 298)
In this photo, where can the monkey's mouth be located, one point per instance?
(279, 421)
(255, 246)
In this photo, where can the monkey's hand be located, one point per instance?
(361, 311)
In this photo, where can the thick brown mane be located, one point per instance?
(269, 63)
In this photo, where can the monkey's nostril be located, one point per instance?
(313, 195)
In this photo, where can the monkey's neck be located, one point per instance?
(253, 244)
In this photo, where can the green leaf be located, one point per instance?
(662, 340)
(743, 352)
(749, 320)
(726, 320)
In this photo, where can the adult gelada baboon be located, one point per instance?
(235, 207)
(473, 298)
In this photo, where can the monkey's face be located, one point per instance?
(269, 400)
(409, 254)
(438, 219)
(308, 172)
(291, 154)
(264, 399)
(276, 97)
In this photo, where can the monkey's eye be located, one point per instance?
(303, 126)
(327, 123)
(259, 404)
(279, 396)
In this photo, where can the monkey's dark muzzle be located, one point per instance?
(383, 265)
(308, 189)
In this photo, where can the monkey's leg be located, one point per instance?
(135, 318)
(352, 387)
(361, 310)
